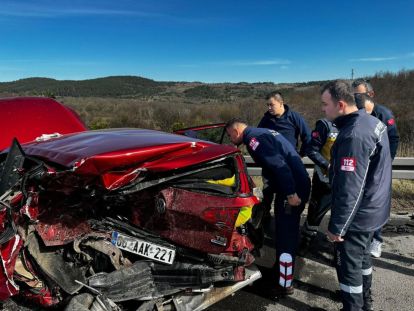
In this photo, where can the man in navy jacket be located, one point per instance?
(360, 177)
(286, 174)
(286, 121)
(362, 87)
(291, 125)
(364, 96)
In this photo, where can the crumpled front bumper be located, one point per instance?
(204, 300)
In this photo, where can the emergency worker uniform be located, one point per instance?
(360, 176)
(283, 168)
(291, 125)
(385, 115)
(323, 137)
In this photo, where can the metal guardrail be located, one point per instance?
(402, 168)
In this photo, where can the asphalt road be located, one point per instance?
(315, 278)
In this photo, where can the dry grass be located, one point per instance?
(403, 194)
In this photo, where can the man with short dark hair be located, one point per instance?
(280, 118)
(364, 95)
(360, 176)
(363, 86)
(283, 168)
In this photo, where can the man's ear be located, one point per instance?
(231, 130)
(341, 105)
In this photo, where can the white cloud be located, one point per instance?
(382, 59)
(373, 59)
(58, 9)
(269, 62)
(241, 63)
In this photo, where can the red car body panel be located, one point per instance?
(95, 152)
(61, 232)
(8, 256)
(27, 118)
(186, 223)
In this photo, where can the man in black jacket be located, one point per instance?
(360, 176)
(319, 151)
(364, 96)
(283, 168)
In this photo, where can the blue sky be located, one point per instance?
(205, 40)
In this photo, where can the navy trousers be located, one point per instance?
(287, 221)
(354, 269)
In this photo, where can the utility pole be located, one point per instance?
(352, 74)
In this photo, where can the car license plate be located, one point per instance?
(143, 248)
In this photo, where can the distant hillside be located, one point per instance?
(101, 87)
(138, 87)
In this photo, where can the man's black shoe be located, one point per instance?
(278, 292)
(368, 301)
(368, 305)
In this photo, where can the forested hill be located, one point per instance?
(100, 87)
(132, 86)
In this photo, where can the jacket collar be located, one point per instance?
(349, 118)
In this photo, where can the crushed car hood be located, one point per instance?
(27, 118)
(95, 152)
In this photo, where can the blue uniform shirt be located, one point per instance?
(291, 125)
(280, 162)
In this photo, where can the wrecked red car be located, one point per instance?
(119, 219)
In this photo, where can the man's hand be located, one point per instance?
(294, 200)
(333, 237)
